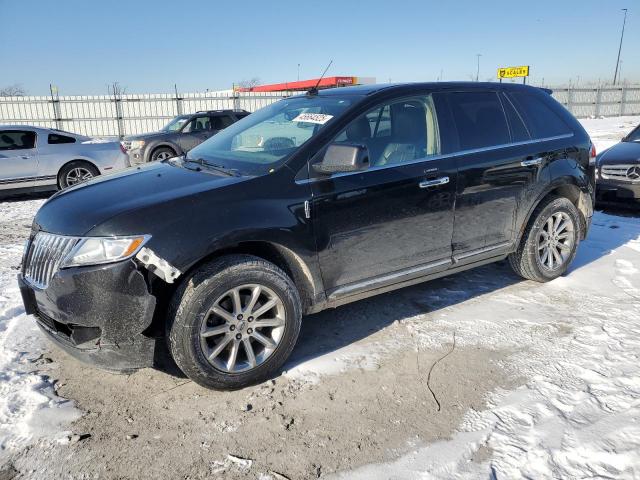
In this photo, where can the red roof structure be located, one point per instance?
(303, 85)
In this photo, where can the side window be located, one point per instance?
(221, 122)
(55, 139)
(479, 119)
(198, 124)
(519, 132)
(541, 119)
(395, 132)
(17, 140)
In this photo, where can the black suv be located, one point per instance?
(312, 202)
(179, 135)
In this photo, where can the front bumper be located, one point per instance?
(137, 156)
(619, 189)
(97, 314)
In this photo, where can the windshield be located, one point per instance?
(634, 136)
(268, 137)
(176, 124)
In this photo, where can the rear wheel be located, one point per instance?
(76, 172)
(550, 242)
(162, 153)
(234, 322)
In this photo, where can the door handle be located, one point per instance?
(434, 183)
(531, 162)
(25, 157)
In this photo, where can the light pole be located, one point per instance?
(624, 21)
(478, 70)
(298, 72)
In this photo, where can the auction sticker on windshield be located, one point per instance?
(319, 118)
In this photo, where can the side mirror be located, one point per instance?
(339, 158)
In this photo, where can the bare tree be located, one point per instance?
(116, 89)
(14, 90)
(254, 82)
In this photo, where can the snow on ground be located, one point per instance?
(576, 343)
(29, 408)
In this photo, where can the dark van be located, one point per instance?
(310, 203)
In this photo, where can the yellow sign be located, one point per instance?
(513, 72)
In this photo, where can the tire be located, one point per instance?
(76, 172)
(195, 332)
(548, 216)
(162, 153)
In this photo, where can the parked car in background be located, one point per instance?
(350, 193)
(619, 169)
(35, 158)
(180, 135)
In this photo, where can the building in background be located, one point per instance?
(304, 85)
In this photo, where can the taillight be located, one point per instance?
(124, 150)
(592, 155)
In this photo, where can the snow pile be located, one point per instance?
(578, 344)
(29, 407)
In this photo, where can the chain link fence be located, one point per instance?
(120, 115)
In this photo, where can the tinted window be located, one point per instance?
(198, 124)
(519, 132)
(17, 140)
(395, 132)
(541, 120)
(55, 139)
(221, 122)
(479, 119)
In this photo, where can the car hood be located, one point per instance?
(623, 152)
(147, 136)
(78, 210)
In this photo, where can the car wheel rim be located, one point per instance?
(242, 328)
(78, 175)
(555, 241)
(163, 155)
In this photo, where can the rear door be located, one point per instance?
(220, 122)
(18, 159)
(393, 221)
(496, 171)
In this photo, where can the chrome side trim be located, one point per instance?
(384, 279)
(439, 157)
(479, 251)
(26, 179)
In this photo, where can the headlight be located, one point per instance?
(98, 250)
(134, 145)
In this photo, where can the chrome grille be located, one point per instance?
(43, 258)
(627, 173)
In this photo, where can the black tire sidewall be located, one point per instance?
(185, 329)
(555, 206)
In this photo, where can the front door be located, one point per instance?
(18, 159)
(394, 220)
(195, 132)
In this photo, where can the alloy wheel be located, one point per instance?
(164, 155)
(555, 241)
(78, 175)
(242, 328)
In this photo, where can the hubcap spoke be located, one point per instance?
(222, 313)
(237, 303)
(267, 342)
(264, 308)
(213, 331)
(255, 294)
(220, 346)
(233, 354)
(269, 322)
(248, 348)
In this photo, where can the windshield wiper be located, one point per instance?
(218, 168)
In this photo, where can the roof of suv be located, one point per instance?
(219, 111)
(375, 88)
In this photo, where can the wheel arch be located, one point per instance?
(80, 159)
(566, 188)
(162, 144)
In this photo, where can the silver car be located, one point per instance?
(34, 158)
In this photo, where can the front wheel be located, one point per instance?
(234, 322)
(162, 153)
(550, 242)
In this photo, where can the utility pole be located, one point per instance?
(478, 70)
(298, 72)
(615, 75)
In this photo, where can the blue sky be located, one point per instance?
(147, 46)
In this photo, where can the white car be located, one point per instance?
(35, 159)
